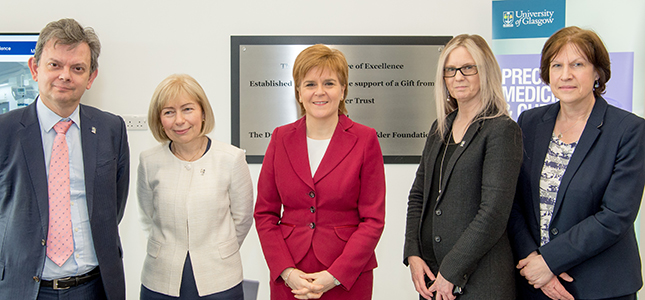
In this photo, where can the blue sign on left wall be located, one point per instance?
(17, 88)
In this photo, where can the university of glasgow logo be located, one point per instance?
(508, 19)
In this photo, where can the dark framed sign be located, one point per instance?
(390, 88)
(17, 88)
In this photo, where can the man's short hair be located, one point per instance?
(69, 32)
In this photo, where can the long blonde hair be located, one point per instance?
(490, 79)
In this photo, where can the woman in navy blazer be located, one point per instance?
(321, 193)
(581, 181)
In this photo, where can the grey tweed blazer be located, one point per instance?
(470, 244)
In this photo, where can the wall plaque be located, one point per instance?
(390, 88)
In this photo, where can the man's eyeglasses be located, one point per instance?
(468, 70)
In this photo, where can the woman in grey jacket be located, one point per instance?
(456, 241)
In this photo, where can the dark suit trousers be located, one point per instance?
(92, 290)
(188, 288)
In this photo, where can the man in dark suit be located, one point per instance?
(62, 240)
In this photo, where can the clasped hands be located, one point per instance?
(442, 287)
(538, 274)
(308, 285)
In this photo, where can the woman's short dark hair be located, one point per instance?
(587, 43)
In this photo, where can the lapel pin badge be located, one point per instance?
(93, 130)
(462, 144)
(202, 171)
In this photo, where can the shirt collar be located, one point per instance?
(48, 118)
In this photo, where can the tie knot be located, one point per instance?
(62, 126)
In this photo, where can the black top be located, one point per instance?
(427, 239)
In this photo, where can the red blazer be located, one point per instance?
(340, 212)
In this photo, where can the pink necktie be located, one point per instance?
(60, 244)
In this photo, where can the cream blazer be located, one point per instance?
(203, 207)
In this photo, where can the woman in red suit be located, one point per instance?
(321, 193)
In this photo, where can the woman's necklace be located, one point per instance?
(574, 124)
(199, 151)
(462, 131)
(443, 157)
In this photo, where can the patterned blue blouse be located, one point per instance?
(555, 163)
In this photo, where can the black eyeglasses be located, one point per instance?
(468, 70)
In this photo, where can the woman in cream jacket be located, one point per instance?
(196, 198)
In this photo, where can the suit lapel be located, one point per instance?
(429, 164)
(472, 131)
(32, 147)
(543, 134)
(90, 132)
(342, 142)
(295, 144)
(587, 140)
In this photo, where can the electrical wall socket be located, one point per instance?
(136, 122)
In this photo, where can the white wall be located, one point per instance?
(145, 41)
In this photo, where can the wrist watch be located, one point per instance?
(336, 282)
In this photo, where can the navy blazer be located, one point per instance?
(592, 228)
(24, 199)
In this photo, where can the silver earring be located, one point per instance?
(448, 99)
(596, 84)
